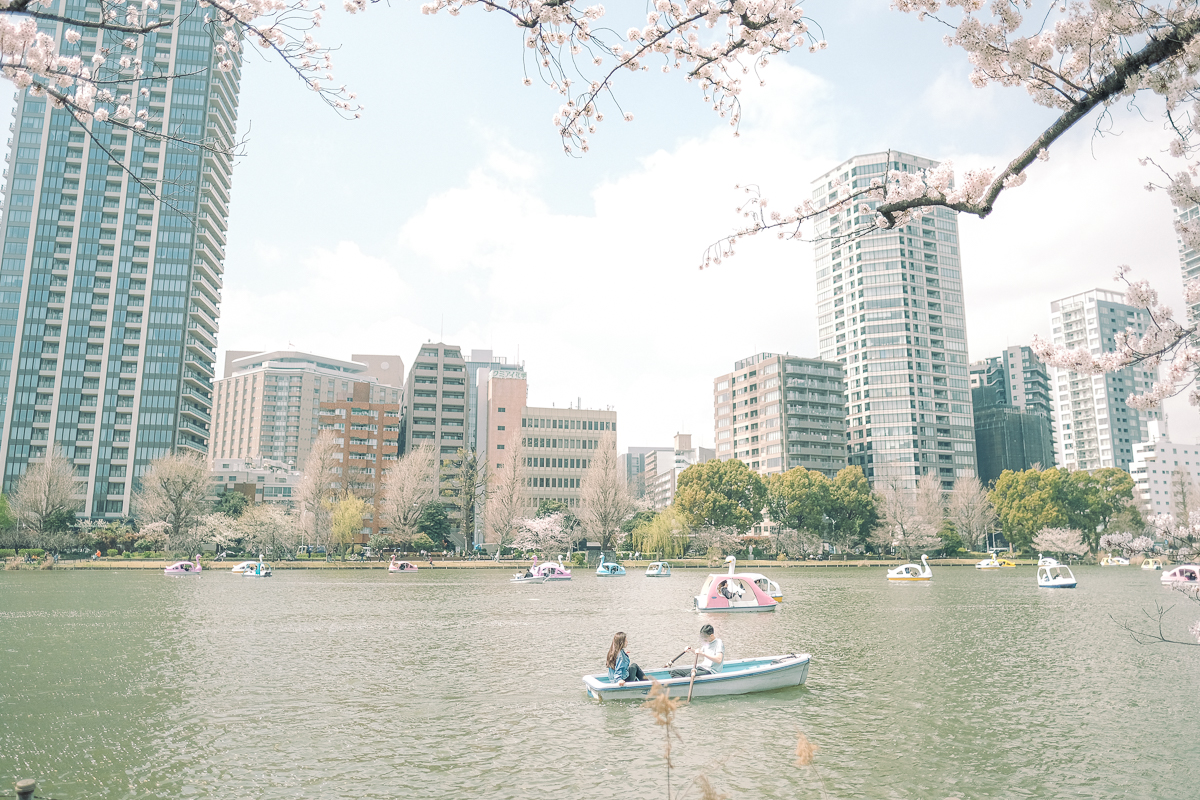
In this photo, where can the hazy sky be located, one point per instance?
(450, 207)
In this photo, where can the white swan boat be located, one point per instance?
(242, 567)
(258, 570)
(735, 592)
(1047, 561)
(737, 677)
(1114, 561)
(527, 577)
(658, 569)
(1152, 563)
(912, 572)
(1055, 577)
(609, 569)
(1184, 573)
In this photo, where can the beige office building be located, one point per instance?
(558, 445)
(268, 403)
(775, 412)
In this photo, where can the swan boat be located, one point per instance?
(401, 566)
(658, 569)
(1184, 573)
(527, 577)
(242, 567)
(912, 572)
(738, 677)
(731, 592)
(184, 567)
(551, 571)
(258, 570)
(1114, 561)
(1047, 561)
(991, 562)
(1055, 577)
(609, 569)
(1152, 563)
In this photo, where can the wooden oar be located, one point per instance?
(676, 658)
(695, 661)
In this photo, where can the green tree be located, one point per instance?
(231, 504)
(347, 520)
(548, 506)
(434, 523)
(1030, 500)
(664, 534)
(800, 500)
(852, 508)
(721, 494)
(1095, 498)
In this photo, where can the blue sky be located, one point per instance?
(450, 207)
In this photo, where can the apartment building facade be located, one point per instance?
(890, 308)
(268, 403)
(1093, 426)
(110, 298)
(775, 412)
(260, 480)
(367, 432)
(1166, 474)
(634, 462)
(558, 445)
(1189, 259)
(663, 468)
(1010, 394)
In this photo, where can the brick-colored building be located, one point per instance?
(368, 434)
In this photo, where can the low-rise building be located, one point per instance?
(261, 480)
(1165, 474)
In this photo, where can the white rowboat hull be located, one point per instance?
(739, 677)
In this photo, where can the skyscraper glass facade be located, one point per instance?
(110, 296)
(890, 308)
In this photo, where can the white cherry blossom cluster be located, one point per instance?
(715, 42)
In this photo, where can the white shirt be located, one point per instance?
(714, 648)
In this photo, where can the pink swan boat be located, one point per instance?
(184, 567)
(401, 566)
(732, 592)
(551, 571)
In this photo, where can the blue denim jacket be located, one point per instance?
(621, 669)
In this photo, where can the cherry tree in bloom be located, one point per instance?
(1061, 541)
(1127, 544)
(1182, 536)
(549, 534)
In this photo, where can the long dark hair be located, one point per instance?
(614, 649)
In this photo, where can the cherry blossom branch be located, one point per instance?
(1158, 635)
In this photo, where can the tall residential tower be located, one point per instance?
(111, 297)
(890, 308)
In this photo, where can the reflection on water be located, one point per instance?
(449, 684)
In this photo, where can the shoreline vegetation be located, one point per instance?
(698, 564)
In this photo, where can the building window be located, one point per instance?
(499, 447)
(499, 427)
(501, 410)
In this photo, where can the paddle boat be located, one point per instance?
(242, 567)
(737, 677)
(768, 586)
(527, 577)
(1184, 573)
(735, 592)
(1055, 576)
(991, 562)
(1047, 561)
(552, 571)
(658, 569)
(185, 567)
(258, 570)
(912, 572)
(1114, 561)
(609, 569)
(1152, 563)
(401, 566)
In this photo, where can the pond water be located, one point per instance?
(454, 683)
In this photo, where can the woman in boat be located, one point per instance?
(619, 667)
(711, 652)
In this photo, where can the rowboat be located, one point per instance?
(912, 572)
(658, 569)
(184, 567)
(525, 577)
(735, 592)
(738, 677)
(1057, 576)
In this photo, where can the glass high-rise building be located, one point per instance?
(109, 297)
(890, 308)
